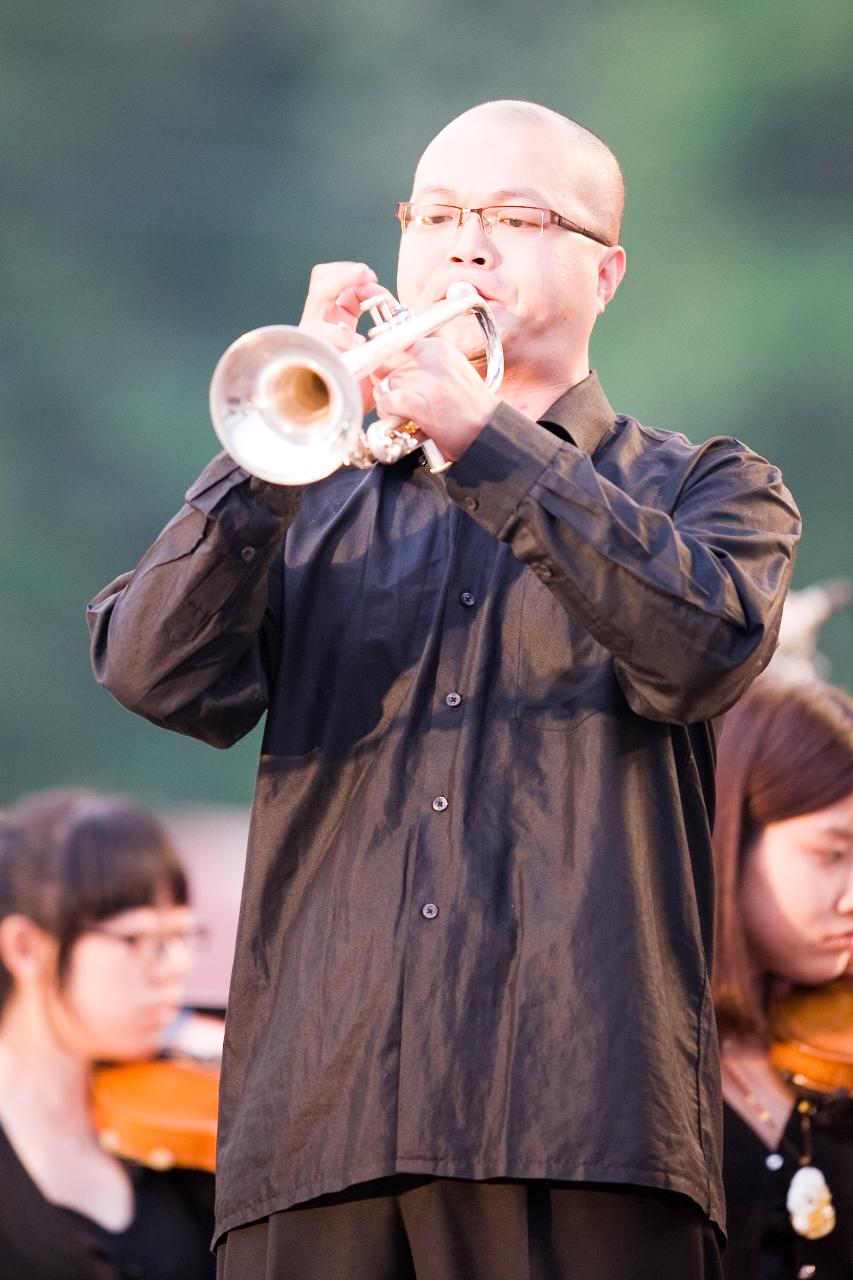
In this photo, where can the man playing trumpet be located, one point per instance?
(470, 1034)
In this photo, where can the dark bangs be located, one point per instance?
(117, 858)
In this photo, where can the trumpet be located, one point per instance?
(287, 406)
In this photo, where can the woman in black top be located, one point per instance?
(94, 933)
(783, 845)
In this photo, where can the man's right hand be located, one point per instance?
(333, 307)
(336, 291)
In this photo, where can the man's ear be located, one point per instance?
(611, 269)
(25, 949)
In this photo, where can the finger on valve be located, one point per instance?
(336, 290)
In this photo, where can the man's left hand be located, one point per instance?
(433, 384)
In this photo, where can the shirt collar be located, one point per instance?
(582, 414)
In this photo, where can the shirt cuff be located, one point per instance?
(498, 470)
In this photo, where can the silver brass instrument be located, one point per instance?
(287, 406)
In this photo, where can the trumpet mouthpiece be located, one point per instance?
(461, 289)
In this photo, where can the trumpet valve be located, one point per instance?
(386, 313)
(390, 439)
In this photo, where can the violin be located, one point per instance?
(813, 1037)
(161, 1113)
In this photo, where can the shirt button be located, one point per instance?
(453, 699)
(468, 599)
(248, 554)
(429, 911)
(440, 803)
(774, 1161)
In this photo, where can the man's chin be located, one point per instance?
(466, 334)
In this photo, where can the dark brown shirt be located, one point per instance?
(477, 915)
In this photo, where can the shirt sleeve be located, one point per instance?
(186, 639)
(686, 594)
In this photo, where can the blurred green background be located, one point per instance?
(172, 170)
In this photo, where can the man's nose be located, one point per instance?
(470, 243)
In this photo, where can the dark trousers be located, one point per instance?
(414, 1228)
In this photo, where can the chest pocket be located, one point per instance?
(564, 675)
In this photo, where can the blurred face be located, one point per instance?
(797, 895)
(124, 983)
(545, 290)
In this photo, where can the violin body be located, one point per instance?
(813, 1037)
(160, 1113)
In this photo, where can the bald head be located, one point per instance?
(585, 170)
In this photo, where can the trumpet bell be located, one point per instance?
(284, 404)
(287, 406)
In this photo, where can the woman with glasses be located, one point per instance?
(95, 935)
(783, 845)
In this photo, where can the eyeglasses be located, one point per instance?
(152, 946)
(503, 221)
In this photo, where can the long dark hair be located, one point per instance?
(785, 750)
(69, 858)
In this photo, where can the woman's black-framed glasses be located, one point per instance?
(150, 946)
